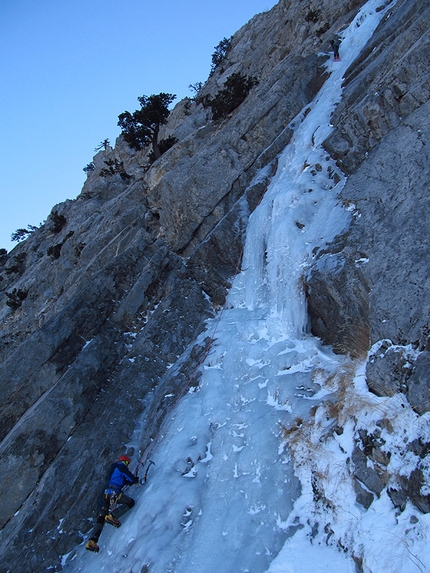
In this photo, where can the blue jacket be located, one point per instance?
(121, 476)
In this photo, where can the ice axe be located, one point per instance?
(146, 471)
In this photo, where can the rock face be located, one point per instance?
(371, 287)
(103, 306)
(376, 276)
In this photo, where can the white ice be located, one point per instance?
(232, 489)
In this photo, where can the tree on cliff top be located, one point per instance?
(140, 129)
(220, 53)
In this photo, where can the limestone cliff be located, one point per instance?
(102, 307)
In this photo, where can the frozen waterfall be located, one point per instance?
(221, 495)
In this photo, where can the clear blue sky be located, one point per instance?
(69, 67)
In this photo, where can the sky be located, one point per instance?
(249, 475)
(69, 68)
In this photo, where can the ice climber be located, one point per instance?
(335, 44)
(114, 503)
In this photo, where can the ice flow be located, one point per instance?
(223, 486)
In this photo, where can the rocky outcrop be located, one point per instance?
(370, 289)
(384, 86)
(376, 274)
(102, 308)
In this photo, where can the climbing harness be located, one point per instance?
(112, 498)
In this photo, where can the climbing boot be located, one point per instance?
(112, 520)
(91, 545)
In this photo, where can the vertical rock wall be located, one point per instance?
(102, 307)
(370, 290)
(108, 299)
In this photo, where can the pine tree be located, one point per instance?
(140, 129)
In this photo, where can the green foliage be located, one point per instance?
(220, 53)
(3, 256)
(89, 167)
(58, 222)
(312, 16)
(164, 145)
(140, 129)
(323, 29)
(187, 106)
(114, 166)
(17, 264)
(55, 250)
(103, 145)
(196, 88)
(21, 234)
(236, 88)
(16, 297)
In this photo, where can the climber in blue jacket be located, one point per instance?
(119, 476)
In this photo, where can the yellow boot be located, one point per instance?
(91, 545)
(112, 520)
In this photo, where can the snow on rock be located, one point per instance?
(253, 469)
